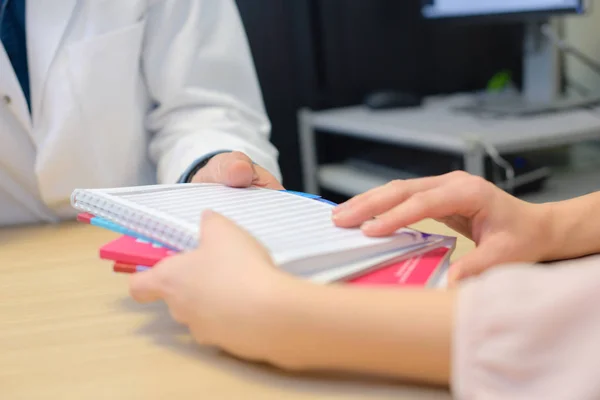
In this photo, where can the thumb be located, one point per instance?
(233, 169)
(217, 230)
(474, 263)
(145, 287)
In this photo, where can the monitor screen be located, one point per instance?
(472, 8)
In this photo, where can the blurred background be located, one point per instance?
(360, 92)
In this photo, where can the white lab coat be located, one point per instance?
(124, 92)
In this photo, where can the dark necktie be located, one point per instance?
(12, 35)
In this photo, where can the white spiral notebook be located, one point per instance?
(297, 231)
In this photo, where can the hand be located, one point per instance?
(504, 228)
(225, 297)
(237, 170)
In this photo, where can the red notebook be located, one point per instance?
(422, 270)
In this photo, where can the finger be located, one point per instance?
(265, 179)
(374, 202)
(440, 202)
(233, 169)
(425, 183)
(162, 280)
(219, 231)
(145, 287)
(178, 311)
(199, 334)
(474, 263)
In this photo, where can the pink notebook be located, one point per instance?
(128, 250)
(421, 270)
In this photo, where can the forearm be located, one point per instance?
(575, 227)
(400, 333)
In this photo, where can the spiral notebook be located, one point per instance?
(297, 231)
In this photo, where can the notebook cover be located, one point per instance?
(420, 270)
(129, 250)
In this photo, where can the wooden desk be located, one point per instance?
(68, 330)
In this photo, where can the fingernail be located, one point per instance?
(339, 215)
(453, 276)
(339, 208)
(343, 208)
(207, 213)
(370, 224)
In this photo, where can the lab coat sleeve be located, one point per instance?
(205, 92)
(525, 332)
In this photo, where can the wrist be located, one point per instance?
(197, 165)
(551, 232)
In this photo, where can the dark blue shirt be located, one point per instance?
(12, 35)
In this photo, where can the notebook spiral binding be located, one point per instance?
(135, 217)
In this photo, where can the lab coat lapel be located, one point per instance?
(10, 89)
(46, 25)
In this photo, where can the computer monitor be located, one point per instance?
(541, 90)
(473, 8)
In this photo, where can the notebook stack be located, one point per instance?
(160, 221)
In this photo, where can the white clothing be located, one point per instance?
(124, 93)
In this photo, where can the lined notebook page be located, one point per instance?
(285, 223)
